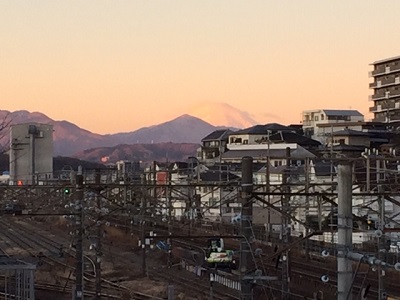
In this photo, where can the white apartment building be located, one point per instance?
(312, 119)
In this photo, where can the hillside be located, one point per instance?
(69, 139)
(140, 152)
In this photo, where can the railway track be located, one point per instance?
(34, 241)
(311, 271)
(192, 282)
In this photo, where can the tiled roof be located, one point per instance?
(291, 137)
(218, 135)
(350, 132)
(344, 112)
(298, 153)
(345, 147)
(263, 129)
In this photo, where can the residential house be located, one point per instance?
(312, 119)
(213, 145)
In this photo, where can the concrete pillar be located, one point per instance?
(345, 231)
(246, 226)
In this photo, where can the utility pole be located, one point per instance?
(345, 231)
(381, 238)
(268, 183)
(78, 293)
(246, 292)
(143, 238)
(170, 207)
(307, 206)
(285, 230)
(98, 238)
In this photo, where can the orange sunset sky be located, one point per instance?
(111, 66)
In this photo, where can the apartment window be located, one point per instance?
(316, 118)
(245, 142)
(277, 163)
(322, 117)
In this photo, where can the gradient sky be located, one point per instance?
(112, 66)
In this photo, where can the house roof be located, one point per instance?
(342, 112)
(345, 147)
(292, 137)
(287, 135)
(350, 132)
(298, 153)
(217, 135)
(263, 129)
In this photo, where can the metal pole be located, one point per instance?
(345, 231)
(143, 244)
(170, 207)
(98, 240)
(307, 205)
(381, 239)
(285, 228)
(246, 227)
(32, 148)
(79, 244)
(268, 184)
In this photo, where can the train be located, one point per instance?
(217, 256)
(213, 256)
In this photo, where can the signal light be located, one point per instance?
(67, 191)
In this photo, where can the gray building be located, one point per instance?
(386, 90)
(31, 153)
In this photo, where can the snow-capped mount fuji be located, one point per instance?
(222, 114)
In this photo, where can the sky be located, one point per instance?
(115, 66)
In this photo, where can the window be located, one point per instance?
(339, 141)
(316, 118)
(322, 117)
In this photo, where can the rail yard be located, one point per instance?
(90, 239)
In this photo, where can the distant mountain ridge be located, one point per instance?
(70, 139)
(161, 152)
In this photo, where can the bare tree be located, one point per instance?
(5, 122)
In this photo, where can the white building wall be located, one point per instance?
(31, 153)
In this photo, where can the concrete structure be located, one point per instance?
(313, 118)
(128, 170)
(31, 153)
(386, 90)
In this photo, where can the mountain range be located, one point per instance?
(151, 143)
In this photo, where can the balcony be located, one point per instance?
(380, 119)
(385, 82)
(382, 70)
(385, 107)
(387, 95)
(380, 97)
